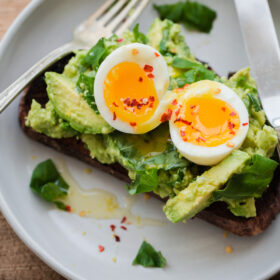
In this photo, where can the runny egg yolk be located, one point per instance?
(207, 121)
(130, 94)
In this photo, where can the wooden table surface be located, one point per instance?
(16, 260)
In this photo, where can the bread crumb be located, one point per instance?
(225, 234)
(87, 170)
(82, 213)
(228, 249)
(84, 233)
(34, 157)
(114, 260)
(146, 196)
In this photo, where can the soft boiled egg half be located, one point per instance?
(209, 121)
(129, 87)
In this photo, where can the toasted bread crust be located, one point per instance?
(267, 207)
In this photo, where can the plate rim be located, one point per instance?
(4, 207)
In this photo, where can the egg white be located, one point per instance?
(211, 155)
(145, 56)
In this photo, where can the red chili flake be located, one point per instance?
(132, 123)
(156, 54)
(101, 248)
(177, 112)
(152, 98)
(127, 101)
(120, 40)
(148, 68)
(151, 105)
(192, 106)
(114, 116)
(231, 125)
(232, 132)
(244, 124)
(139, 106)
(123, 227)
(151, 76)
(183, 121)
(166, 116)
(223, 109)
(140, 79)
(182, 133)
(232, 114)
(134, 102)
(202, 139)
(134, 51)
(123, 220)
(116, 105)
(113, 227)
(174, 102)
(117, 238)
(68, 208)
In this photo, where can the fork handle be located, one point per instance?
(10, 93)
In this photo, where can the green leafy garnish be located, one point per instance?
(192, 14)
(47, 182)
(138, 36)
(194, 71)
(251, 182)
(85, 87)
(95, 55)
(147, 256)
(254, 101)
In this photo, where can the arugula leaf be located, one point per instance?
(85, 87)
(95, 55)
(251, 182)
(47, 182)
(192, 14)
(195, 71)
(138, 36)
(254, 101)
(147, 256)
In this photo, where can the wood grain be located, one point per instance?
(17, 262)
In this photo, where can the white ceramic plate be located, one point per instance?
(194, 250)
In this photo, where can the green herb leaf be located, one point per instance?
(163, 49)
(47, 182)
(138, 36)
(95, 55)
(183, 63)
(251, 182)
(192, 14)
(85, 87)
(147, 256)
(254, 101)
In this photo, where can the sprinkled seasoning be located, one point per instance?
(223, 109)
(114, 116)
(123, 220)
(123, 227)
(132, 124)
(228, 249)
(140, 79)
(117, 238)
(156, 54)
(244, 124)
(174, 102)
(101, 248)
(151, 76)
(183, 121)
(182, 133)
(230, 144)
(68, 208)
(120, 40)
(134, 51)
(232, 114)
(148, 68)
(116, 105)
(113, 227)
(166, 116)
(177, 112)
(82, 213)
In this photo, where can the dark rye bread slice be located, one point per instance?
(267, 207)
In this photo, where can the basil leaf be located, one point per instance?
(147, 256)
(254, 101)
(85, 87)
(251, 182)
(138, 36)
(95, 55)
(47, 182)
(192, 14)
(145, 181)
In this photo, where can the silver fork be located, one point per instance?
(114, 16)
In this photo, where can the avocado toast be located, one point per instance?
(55, 126)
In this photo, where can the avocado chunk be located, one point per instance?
(198, 194)
(70, 106)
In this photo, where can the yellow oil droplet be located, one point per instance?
(82, 213)
(34, 157)
(114, 260)
(228, 249)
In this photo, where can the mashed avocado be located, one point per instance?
(152, 161)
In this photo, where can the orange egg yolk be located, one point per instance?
(207, 121)
(130, 94)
